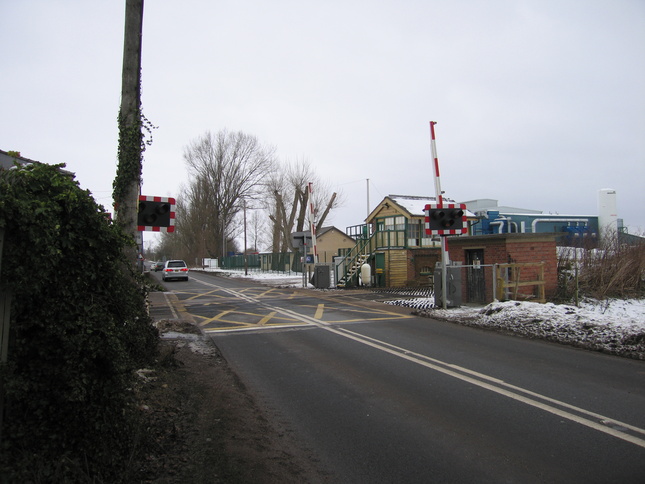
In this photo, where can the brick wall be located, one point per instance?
(538, 251)
(421, 261)
(510, 248)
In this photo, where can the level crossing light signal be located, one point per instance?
(151, 212)
(445, 219)
(156, 214)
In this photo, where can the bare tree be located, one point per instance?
(288, 203)
(256, 228)
(227, 169)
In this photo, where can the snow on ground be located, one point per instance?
(613, 326)
(280, 279)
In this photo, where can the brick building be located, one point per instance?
(533, 257)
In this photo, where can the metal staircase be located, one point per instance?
(354, 259)
(365, 249)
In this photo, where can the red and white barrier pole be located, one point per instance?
(439, 196)
(437, 180)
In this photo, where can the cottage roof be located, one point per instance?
(415, 205)
(330, 228)
(8, 160)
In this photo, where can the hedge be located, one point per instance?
(79, 330)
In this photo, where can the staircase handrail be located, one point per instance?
(364, 247)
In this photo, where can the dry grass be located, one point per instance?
(616, 270)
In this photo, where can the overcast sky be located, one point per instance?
(539, 103)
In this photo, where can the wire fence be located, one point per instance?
(281, 262)
(466, 284)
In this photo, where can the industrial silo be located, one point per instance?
(607, 212)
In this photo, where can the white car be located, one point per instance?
(175, 269)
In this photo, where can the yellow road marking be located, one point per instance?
(216, 318)
(252, 327)
(269, 292)
(273, 318)
(319, 311)
(264, 293)
(201, 294)
(363, 313)
(264, 319)
(267, 318)
(364, 320)
(382, 311)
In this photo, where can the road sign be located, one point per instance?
(300, 239)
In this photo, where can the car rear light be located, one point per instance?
(167, 270)
(185, 269)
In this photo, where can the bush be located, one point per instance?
(79, 329)
(615, 271)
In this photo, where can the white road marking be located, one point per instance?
(172, 308)
(600, 423)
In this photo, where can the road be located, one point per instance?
(378, 395)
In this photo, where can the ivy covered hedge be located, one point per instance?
(79, 329)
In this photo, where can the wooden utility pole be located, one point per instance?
(128, 177)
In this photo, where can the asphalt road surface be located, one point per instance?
(378, 395)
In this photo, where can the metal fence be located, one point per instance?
(482, 284)
(467, 284)
(281, 262)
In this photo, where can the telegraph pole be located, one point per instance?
(128, 177)
(368, 199)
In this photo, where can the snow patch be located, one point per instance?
(613, 326)
(277, 279)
